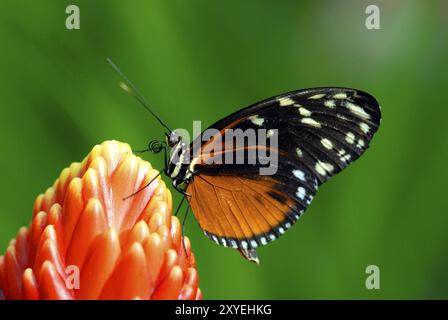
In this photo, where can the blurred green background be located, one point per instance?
(201, 60)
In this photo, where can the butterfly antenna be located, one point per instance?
(130, 88)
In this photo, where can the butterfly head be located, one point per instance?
(173, 138)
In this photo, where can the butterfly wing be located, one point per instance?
(319, 132)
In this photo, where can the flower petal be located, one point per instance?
(92, 222)
(51, 285)
(131, 278)
(99, 265)
(170, 286)
(30, 288)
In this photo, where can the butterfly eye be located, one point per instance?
(173, 139)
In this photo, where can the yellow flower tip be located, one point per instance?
(86, 242)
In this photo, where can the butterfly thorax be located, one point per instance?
(178, 168)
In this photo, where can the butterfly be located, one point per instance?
(318, 131)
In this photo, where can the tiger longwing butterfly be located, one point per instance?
(319, 132)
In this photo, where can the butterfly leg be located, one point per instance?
(143, 188)
(180, 190)
(179, 206)
(183, 224)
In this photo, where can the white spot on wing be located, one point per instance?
(340, 95)
(350, 137)
(345, 158)
(364, 127)
(320, 170)
(299, 174)
(360, 143)
(285, 101)
(270, 133)
(323, 167)
(311, 122)
(357, 110)
(327, 143)
(327, 166)
(317, 96)
(299, 152)
(256, 120)
(330, 104)
(301, 193)
(304, 112)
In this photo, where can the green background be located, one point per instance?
(201, 60)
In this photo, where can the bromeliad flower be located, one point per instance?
(86, 242)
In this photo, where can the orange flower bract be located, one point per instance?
(86, 242)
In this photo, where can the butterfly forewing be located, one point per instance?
(319, 132)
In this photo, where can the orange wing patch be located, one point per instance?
(241, 212)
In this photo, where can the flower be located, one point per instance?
(86, 242)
